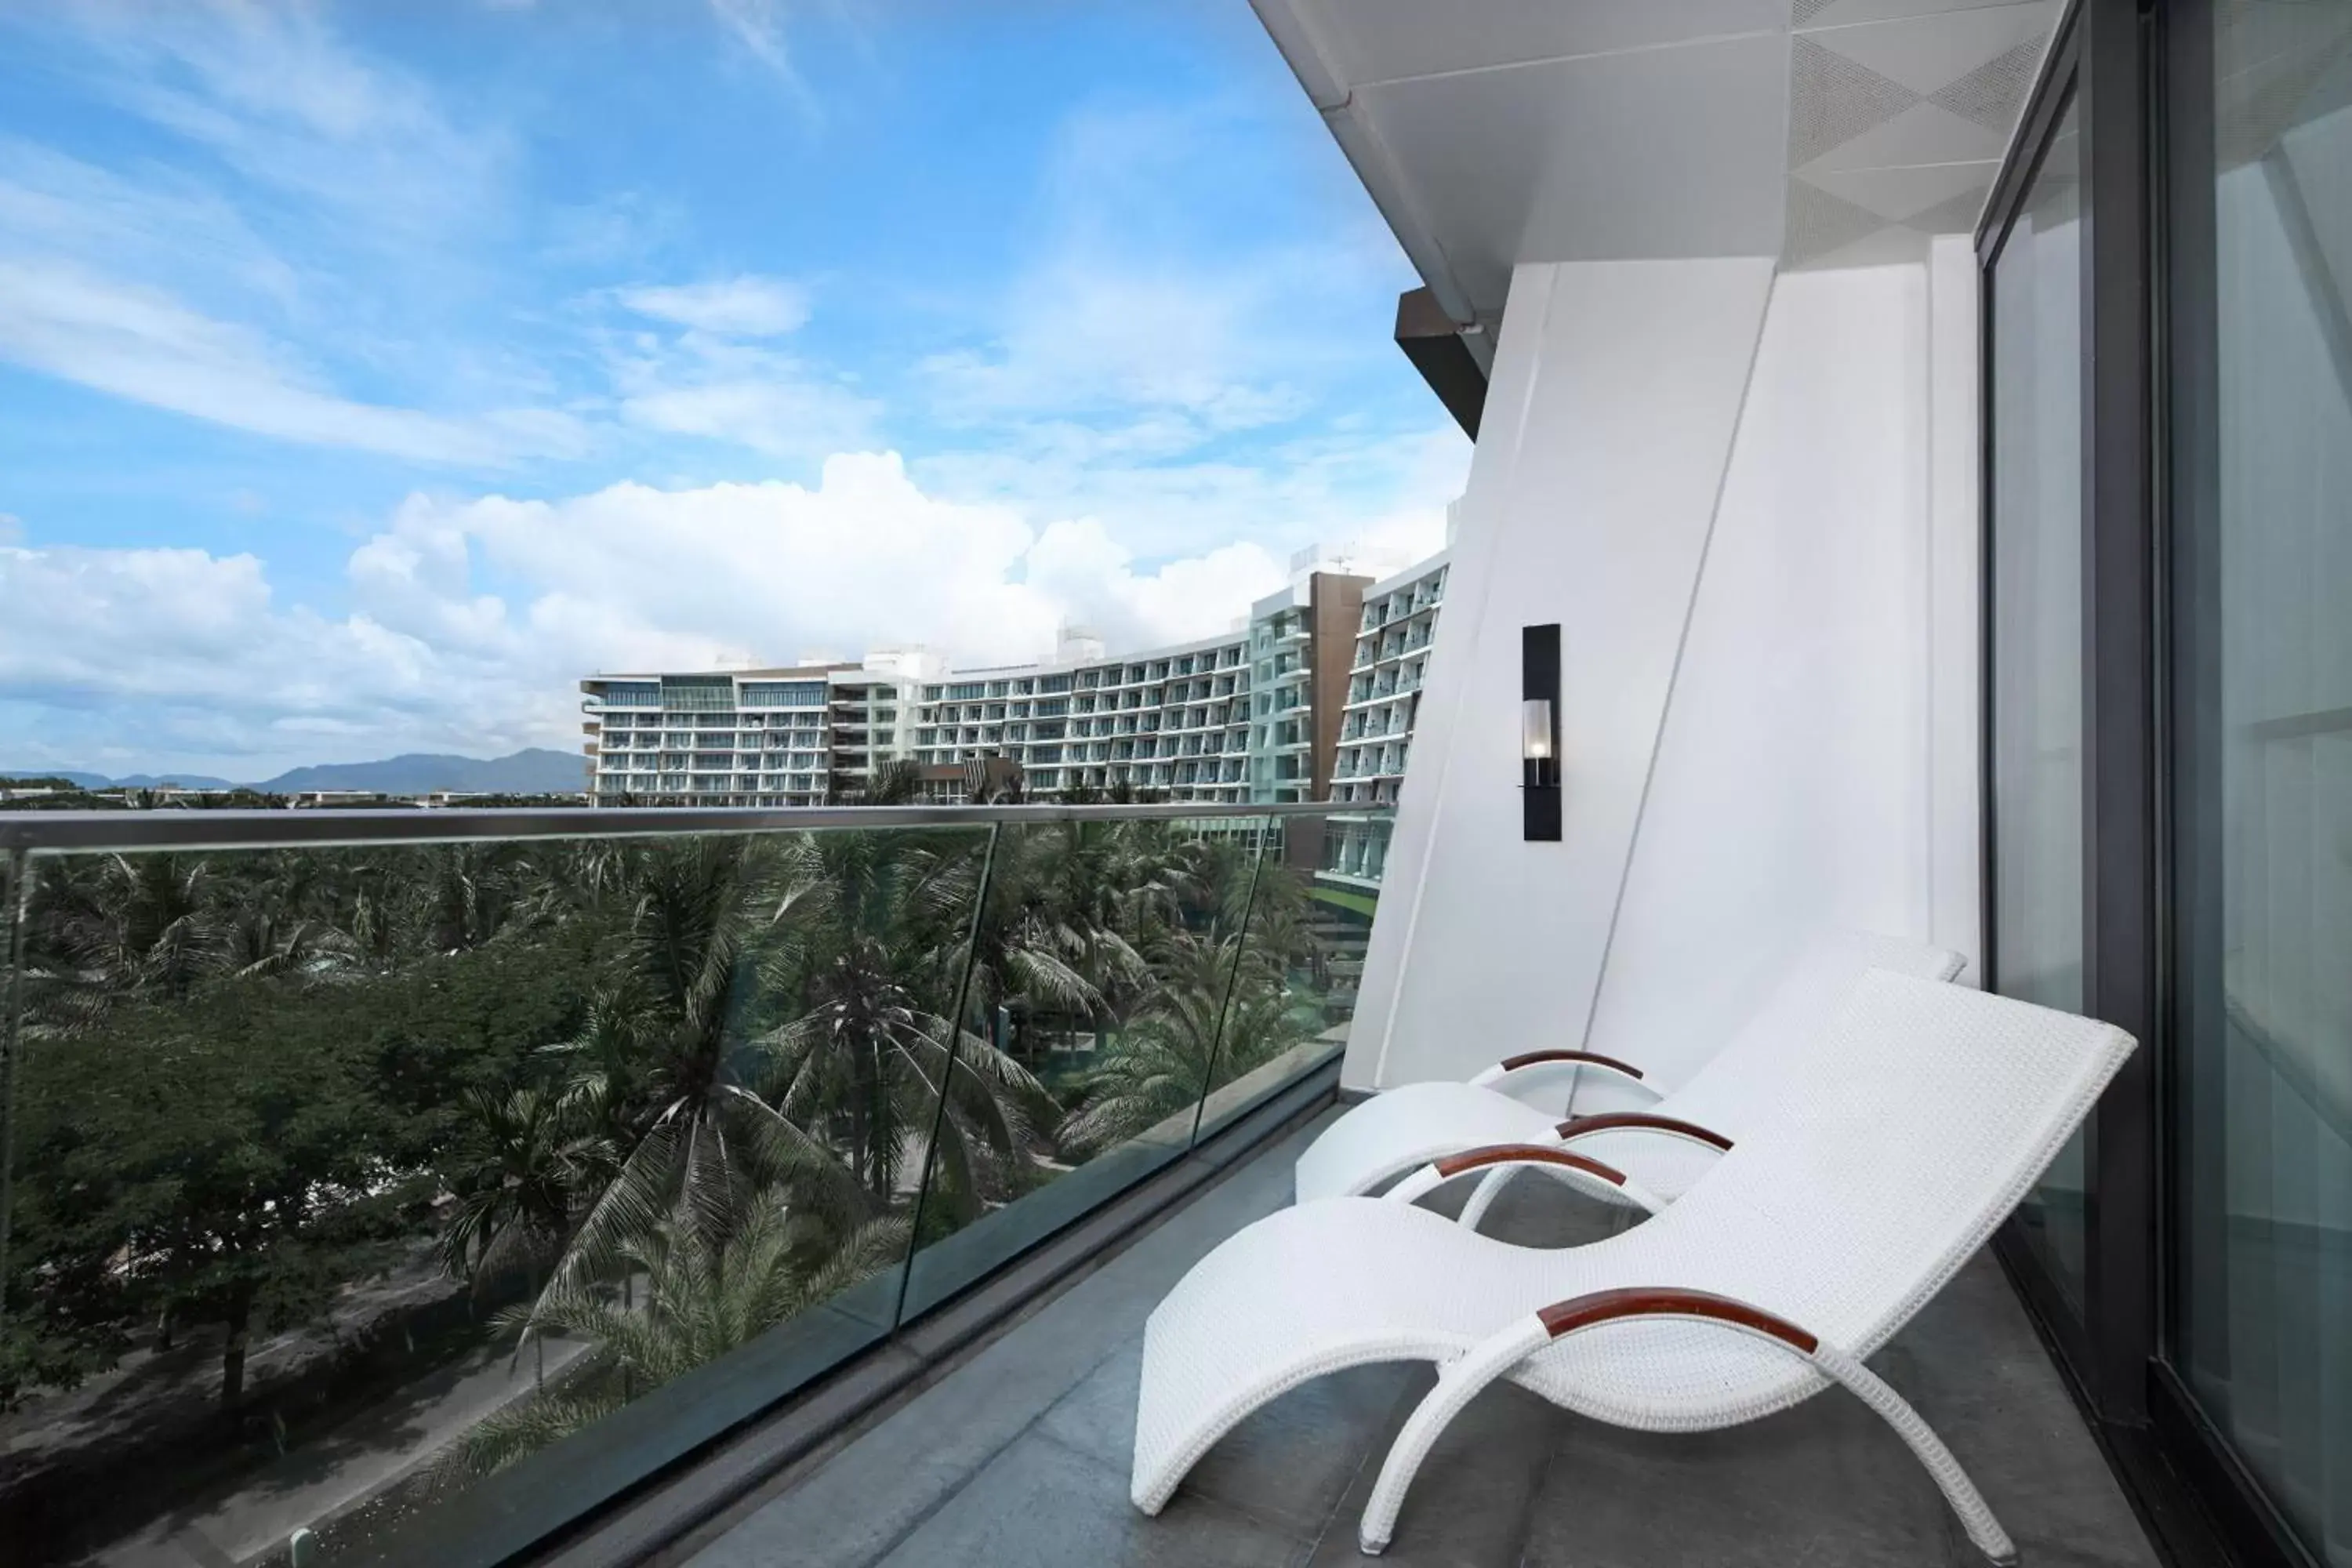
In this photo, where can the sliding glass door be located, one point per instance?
(2258, 247)
(2167, 596)
(2035, 696)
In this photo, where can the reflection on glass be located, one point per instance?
(1145, 984)
(350, 1181)
(2262, 727)
(1295, 995)
(2037, 634)
(346, 1178)
(1105, 958)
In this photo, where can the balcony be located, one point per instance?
(391, 1235)
(1019, 1454)
(353, 1170)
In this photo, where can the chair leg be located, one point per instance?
(1458, 1382)
(1976, 1517)
(1482, 1197)
(1463, 1379)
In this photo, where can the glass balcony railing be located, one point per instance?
(425, 1180)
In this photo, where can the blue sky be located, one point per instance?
(369, 372)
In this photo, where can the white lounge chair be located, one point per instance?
(1928, 1112)
(1661, 1147)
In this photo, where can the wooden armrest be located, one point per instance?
(1578, 1126)
(1454, 1165)
(1537, 1059)
(1653, 1301)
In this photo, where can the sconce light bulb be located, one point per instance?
(1535, 729)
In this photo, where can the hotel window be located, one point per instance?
(2258, 240)
(2035, 517)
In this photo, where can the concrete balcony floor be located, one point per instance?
(1019, 1455)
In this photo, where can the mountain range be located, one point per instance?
(535, 770)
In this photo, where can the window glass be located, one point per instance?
(2261, 253)
(2037, 640)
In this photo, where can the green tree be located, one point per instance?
(873, 931)
(110, 928)
(697, 1300)
(662, 1063)
(1191, 1039)
(216, 1158)
(153, 1140)
(517, 1176)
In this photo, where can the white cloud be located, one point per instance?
(865, 557)
(1369, 485)
(164, 283)
(158, 224)
(1135, 309)
(271, 92)
(744, 306)
(12, 528)
(704, 381)
(188, 611)
(469, 622)
(759, 26)
(1078, 565)
(144, 345)
(753, 396)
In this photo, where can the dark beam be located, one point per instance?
(1433, 341)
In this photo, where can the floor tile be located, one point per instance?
(1468, 1506)
(1294, 1461)
(1042, 1505)
(1021, 1455)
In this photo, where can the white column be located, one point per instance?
(1608, 424)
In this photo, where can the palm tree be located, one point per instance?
(1050, 940)
(898, 783)
(282, 918)
(1278, 909)
(115, 928)
(525, 1158)
(872, 936)
(700, 1300)
(1208, 1023)
(519, 1168)
(660, 1060)
(468, 892)
(867, 1052)
(575, 876)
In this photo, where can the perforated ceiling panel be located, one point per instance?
(1823, 133)
(1897, 123)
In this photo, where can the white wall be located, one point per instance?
(1744, 501)
(1955, 739)
(1609, 416)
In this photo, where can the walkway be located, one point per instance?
(337, 1471)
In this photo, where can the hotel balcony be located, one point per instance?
(1846, 549)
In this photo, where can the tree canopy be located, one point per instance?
(659, 1095)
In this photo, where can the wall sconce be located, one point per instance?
(1539, 733)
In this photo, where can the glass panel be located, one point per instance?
(1294, 995)
(308, 1138)
(2037, 640)
(1104, 956)
(2261, 248)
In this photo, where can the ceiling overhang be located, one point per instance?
(1819, 133)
